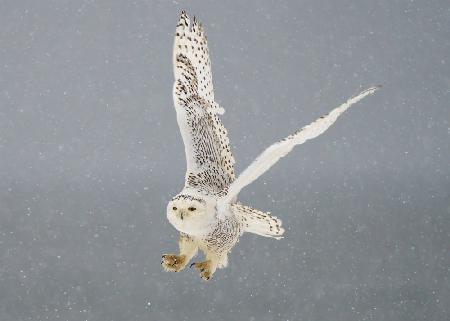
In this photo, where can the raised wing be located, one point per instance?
(210, 163)
(272, 154)
(191, 42)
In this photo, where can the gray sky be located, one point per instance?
(90, 153)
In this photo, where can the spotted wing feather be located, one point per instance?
(190, 41)
(257, 222)
(210, 163)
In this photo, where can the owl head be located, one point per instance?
(189, 214)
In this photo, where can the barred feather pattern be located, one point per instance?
(210, 162)
(257, 222)
(206, 211)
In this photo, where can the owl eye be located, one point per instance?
(192, 208)
(174, 208)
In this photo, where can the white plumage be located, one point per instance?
(206, 211)
(280, 149)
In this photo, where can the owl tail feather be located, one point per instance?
(257, 222)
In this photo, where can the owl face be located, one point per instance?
(189, 215)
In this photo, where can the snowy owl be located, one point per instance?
(206, 212)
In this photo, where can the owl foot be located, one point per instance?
(173, 263)
(204, 268)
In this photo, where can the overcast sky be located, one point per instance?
(90, 153)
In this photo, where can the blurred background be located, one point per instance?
(90, 153)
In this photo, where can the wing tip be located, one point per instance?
(372, 89)
(184, 19)
(361, 95)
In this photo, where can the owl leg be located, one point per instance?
(210, 265)
(175, 263)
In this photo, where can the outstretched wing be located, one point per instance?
(272, 154)
(257, 222)
(210, 163)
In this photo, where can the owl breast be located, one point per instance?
(224, 236)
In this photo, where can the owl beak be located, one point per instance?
(183, 214)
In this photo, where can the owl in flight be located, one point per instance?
(206, 212)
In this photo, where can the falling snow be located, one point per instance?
(90, 154)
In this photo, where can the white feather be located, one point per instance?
(257, 222)
(210, 163)
(273, 153)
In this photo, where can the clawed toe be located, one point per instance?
(172, 262)
(175, 263)
(204, 268)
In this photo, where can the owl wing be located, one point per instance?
(210, 163)
(273, 153)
